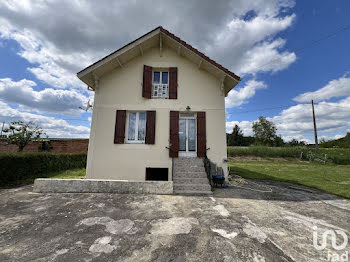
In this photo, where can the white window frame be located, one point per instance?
(135, 141)
(160, 83)
(189, 116)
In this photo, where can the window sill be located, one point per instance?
(134, 142)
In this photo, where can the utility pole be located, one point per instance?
(315, 128)
(2, 128)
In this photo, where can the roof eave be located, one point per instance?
(139, 41)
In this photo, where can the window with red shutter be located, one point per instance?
(173, 83)
(201, 135)
(174, 134)
(147, 82)
(119, 132)
(150, 127)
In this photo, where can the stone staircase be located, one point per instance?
(190, 177)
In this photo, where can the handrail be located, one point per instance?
(207, 167)
(172, 163)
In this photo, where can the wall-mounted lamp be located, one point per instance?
(188, 108)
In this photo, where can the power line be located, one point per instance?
(279, 107)
(312, 43)
(257, 110)
(344, 107)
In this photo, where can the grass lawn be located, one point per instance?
(71, 173)
(334, 179)
(340, 156)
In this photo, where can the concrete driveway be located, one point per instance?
(249, 223)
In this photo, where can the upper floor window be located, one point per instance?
(136, 127)
(160, 84)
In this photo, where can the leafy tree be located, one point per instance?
(248, 140)
(279, 141)
(20, 133)
(295, 142)
(236, 137)
(264, 132)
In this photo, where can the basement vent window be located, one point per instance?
(156, 174)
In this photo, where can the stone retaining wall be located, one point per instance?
(47, 185)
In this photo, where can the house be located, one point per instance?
(159, 103)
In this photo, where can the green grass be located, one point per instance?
(72, 173)
(339, 156)
(324, 177)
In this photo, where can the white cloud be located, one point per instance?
(245, 126)
(59, 46)
(266, 57)
(64, 102)
(251, 44)
(330, 118)
(333, 121)
(59, 38)
(51, 65)
(335, 88)
(237, 97)
(338, 136)
(53, 127)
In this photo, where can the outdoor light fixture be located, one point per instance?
(188, 108)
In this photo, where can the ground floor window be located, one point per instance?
(156, 174)
(136, 127)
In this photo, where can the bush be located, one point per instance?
(17, 167)
(340, 156)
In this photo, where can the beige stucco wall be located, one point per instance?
(122, 89)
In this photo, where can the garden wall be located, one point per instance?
(63, 145)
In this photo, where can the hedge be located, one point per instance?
(16, 167)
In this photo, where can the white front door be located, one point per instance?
(187, 135)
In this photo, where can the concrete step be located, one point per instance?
(193, 193)
(192, 187)
(189, 174)
(188, 161)
(186, 169)
(190, 180)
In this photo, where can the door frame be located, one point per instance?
(182, 116)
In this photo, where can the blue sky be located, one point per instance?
(41, 50)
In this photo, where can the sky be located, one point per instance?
(287, 52)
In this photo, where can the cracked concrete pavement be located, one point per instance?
(235, 224)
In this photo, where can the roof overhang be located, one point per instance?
(157, 37)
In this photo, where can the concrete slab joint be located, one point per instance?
(46, 185)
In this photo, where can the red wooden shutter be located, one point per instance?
(174, 134)
(201, 135)
(173, 83)
(119, 132)
(150, 127)
(147, 82)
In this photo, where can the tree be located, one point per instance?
(236, 137)
(20, 133)
(264, 132)
(295, 142)
(279, 141)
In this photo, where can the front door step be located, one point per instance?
(190, 177)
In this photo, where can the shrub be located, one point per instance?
(17, 167)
